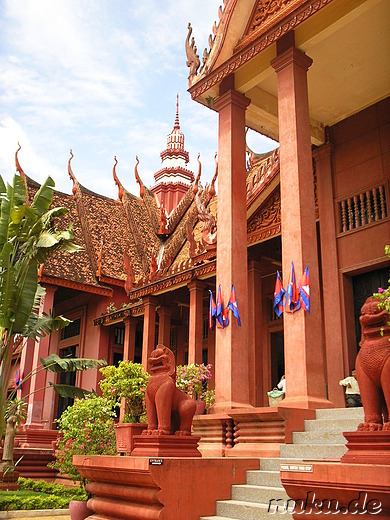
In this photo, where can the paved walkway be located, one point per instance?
(42, 514)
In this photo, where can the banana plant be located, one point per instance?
(28, 237)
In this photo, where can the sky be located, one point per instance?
(101, 77)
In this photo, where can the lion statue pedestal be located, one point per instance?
(169, 412)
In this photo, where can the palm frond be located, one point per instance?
(71, 391)
(54, 363)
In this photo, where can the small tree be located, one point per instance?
(28, 236)
(126, 381)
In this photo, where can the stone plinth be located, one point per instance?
(258, 432)
(137, 488)
(166, 446)
(215, 432)
(33, 437)
(9, 480)
(367, 448)
(352, 488)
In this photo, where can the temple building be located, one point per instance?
(313, 76)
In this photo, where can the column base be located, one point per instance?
(305, 402)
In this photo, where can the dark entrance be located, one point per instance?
(66, 378)
(364, 285)
(277, 357)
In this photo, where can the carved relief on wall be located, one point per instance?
(267, 10)
(268, 214)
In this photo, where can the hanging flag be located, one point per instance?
(278, 295)
(212, 312)
(232, 305)
(304, 289)
(19, 375)
(221, 313)
(293, 302)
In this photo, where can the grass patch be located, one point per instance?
(38, 494)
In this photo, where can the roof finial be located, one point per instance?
(117, 181)
(18, 167)
(211, 190)
(196, 183)
(71, 174)
(177, 124)
(193, 61)
(138, 179)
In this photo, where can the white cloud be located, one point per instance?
(101, 78)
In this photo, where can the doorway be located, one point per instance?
(277, 357)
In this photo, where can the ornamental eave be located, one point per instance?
(252, 45)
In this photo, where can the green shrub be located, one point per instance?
(41, 486)
(38, 494)
(86, 428)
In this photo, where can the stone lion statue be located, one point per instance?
(169, 410)
(373, 367)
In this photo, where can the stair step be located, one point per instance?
(263, 478)
(270, 464)
(340, 413)
(258, 494)
(341, 425)
(240, 510)
(312, 451)
(324, 437)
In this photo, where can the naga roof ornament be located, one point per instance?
(211, 190)
(117, 181)
(17, 164)
(210, 54)
(138, 179)
(193, 61)
(71, 175)
(196, 183)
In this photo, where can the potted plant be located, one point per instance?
(193, 380)
(85, 428)
(124, 387)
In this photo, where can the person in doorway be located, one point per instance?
(282, 384)
(352, 392)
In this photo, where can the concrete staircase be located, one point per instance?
(322, 439)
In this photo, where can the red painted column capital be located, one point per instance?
(229, 98)
(291, 56)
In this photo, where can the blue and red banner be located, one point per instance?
(221, 313)
(304, 290)
(19, 375)
(293, 302)
(233, 306)
(278, 296)
(212, 313)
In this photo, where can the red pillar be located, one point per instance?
(330, 276)
(181, 340)
(38, 380)
(258, 352)
(195, 328)
(164, 325)
(231, 356)
(129, 341)
(303, 334)
(148, 345)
